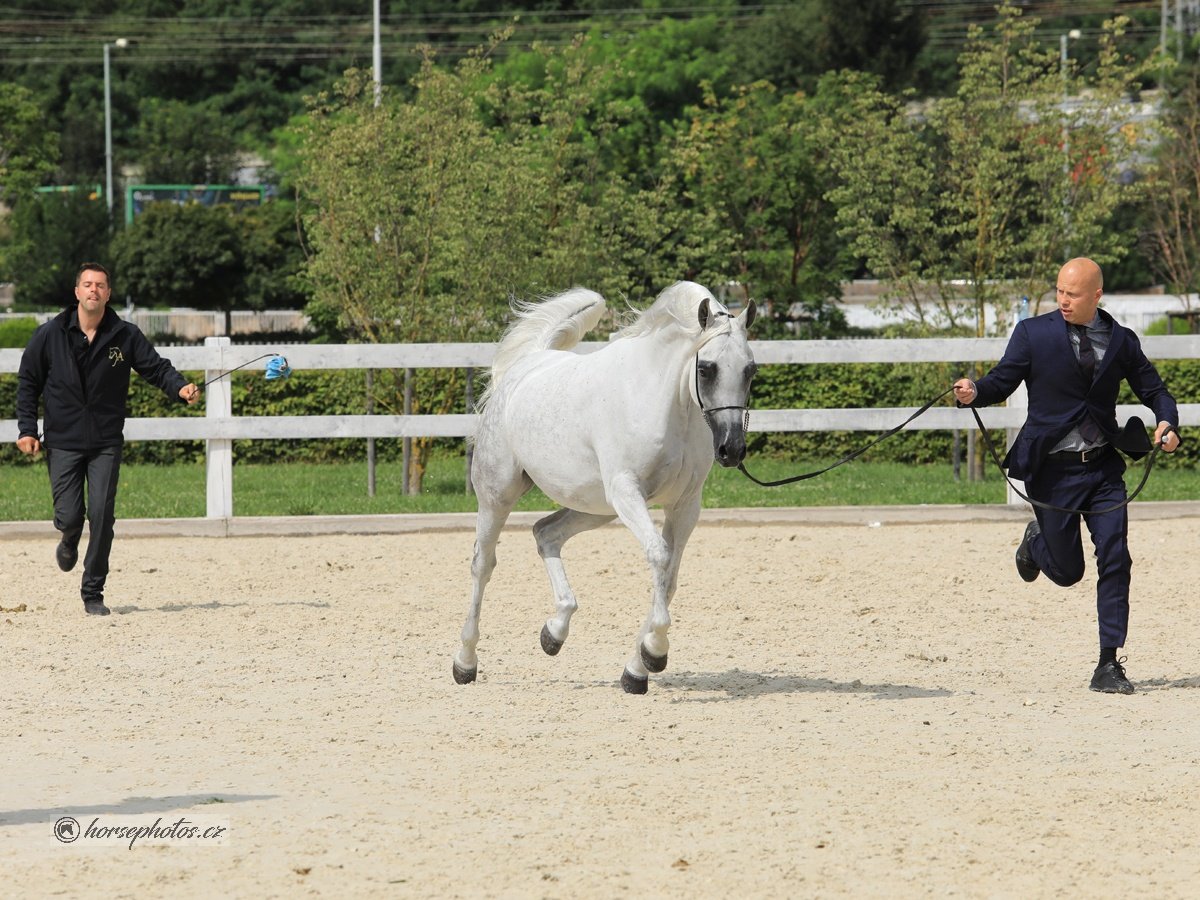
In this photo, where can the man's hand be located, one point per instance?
(964, 391)
(1169, 441)
(190, 393)
(29, 445)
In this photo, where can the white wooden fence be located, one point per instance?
(220, 427)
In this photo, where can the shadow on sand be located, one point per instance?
(130, 806)
(736, 684)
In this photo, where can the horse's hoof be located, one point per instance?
(550, 643)
(653, 663)
(633, 684)
(464, 676)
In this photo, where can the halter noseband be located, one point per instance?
(700, 400)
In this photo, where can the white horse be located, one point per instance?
(606, 435)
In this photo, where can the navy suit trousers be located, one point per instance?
(1058, 551)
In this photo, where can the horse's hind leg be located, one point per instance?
(551, 533)
(494, 507)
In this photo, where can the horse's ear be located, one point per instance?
(703, 313)
(750, 312)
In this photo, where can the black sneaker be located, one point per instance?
(1109, 678)
(1026, 567)
(66, 555)
(95, 608)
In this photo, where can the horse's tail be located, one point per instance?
(556, 323)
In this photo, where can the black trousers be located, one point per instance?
(1058, 551)
(99, 470)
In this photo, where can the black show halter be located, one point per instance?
(712, 409)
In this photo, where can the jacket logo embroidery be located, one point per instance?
(115, 357)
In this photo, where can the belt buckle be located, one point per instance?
(1089, 454)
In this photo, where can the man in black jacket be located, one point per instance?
(78, 363)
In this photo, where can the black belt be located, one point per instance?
(1080, 456)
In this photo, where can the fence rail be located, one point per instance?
(219, 427)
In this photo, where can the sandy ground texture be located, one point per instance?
(849, 711)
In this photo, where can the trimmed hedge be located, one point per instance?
(15, 333)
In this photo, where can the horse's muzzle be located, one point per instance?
(729, 445)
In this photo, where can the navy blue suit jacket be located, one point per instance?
(1040, 354)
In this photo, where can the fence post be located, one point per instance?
(370, 440)
(406, 444)
(470, 454)
(218, 454)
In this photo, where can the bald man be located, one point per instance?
(1073, 361)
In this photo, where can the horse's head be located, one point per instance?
(724, 368)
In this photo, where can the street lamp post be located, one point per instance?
(108, 167)
(1073, 34)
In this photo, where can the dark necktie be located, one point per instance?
(1087, 356)
(1088, 430)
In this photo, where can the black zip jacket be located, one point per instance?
(85, 413)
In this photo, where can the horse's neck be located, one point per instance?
(671, 363)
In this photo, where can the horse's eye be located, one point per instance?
(707, 369)
(751, 370)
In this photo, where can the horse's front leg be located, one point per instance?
(680, 521)
(551, 533)
(629, 502)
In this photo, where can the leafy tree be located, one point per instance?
(272, 255)
(748, 179)
(793, 45)
(211, 257)
(180, 143)
(657, 74)
(27, 153)
(426, 214)
(182, 255)
(1172, 240)
(980, 196)
(51, 235)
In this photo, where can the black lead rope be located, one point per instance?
(1149, 465)
(845, 459)
(991, 447)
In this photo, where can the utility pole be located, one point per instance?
(377, 58)
(377, 70)
(108, 163)
(1179, 30)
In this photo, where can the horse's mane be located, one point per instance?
(560, 322)
(676, 307)
(553, 323)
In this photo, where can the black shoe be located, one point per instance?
(1109, 678)
(1026, 567)
(97, 608)
(66, 556)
